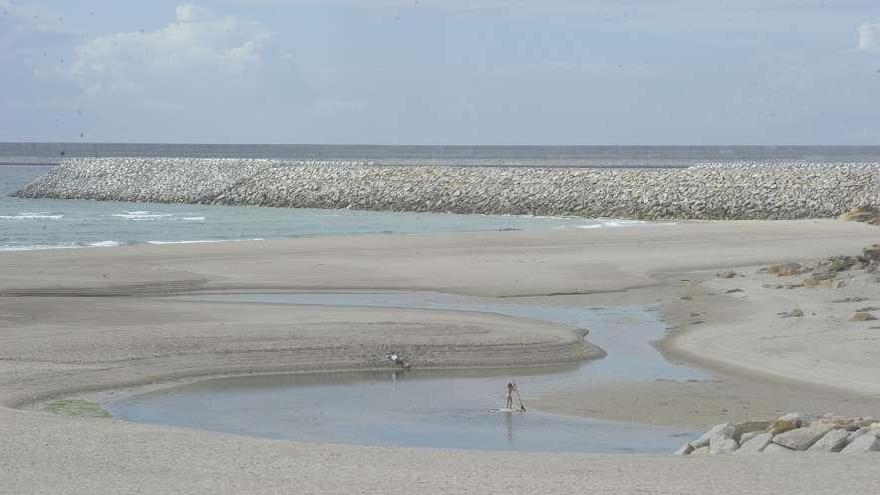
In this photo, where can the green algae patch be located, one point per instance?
(77, 407)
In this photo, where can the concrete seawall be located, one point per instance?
(733, 190)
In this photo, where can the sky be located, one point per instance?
(653, 72)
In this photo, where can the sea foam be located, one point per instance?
(33, 216)
(142, 215)
(104, 244)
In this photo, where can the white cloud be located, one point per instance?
(197, 46)
(869, 36)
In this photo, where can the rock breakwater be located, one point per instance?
(711, 191)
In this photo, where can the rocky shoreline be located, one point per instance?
(708, 191)
(793, 432)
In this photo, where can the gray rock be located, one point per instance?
(802, 438)
(833, 441)
(722, 446)
(856, 434)
(867, 442)
(718, 432)
(787, 422)
(684, 449)
(755, 444)
(750, 427)
(775, 448)
(745, 437)
(702, 451)
(849, 424)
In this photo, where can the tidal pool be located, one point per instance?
(429, 408)
(414, 409)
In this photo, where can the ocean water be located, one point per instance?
(28, 224)
(545, 156)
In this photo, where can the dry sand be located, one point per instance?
(51, 345)
(763, 364)
(749, 330)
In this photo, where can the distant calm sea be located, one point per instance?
(27, 224)
(579, 156)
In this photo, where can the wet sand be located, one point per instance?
(55, 343)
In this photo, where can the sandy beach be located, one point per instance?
(87, 320)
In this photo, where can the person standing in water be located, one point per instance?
(510, 388)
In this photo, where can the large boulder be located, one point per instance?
(748, 436)
(866, 442)
(754, 444)
(775, 448)
(700, 452)
(787, 422)
(722, 446)
(718, 433)
(750, 427)
(856, 434)
(684, 449)
(833, 441)
(849, 424)
(802, 438)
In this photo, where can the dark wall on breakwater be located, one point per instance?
(741, 190)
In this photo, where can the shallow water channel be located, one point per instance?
(427, 408)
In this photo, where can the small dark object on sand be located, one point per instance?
(397, 359)
(850, 299)
(795, 313)
(862, 316)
